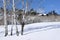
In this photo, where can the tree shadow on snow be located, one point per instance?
(37, 29)
(41, 28)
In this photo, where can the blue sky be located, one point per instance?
(52, 5)
(46, 5)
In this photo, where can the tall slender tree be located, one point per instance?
(15, 17)
(23, 15)
(14, 22)
(5, 18)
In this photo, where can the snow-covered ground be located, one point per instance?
(35, 31)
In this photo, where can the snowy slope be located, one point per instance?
(35, 31)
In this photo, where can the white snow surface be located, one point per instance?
(35, 31)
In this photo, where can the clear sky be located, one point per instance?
(52, 5)
(46, 5)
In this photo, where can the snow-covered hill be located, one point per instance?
(36, 31)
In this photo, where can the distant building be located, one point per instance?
(42, 14)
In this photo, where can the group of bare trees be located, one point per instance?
(13, 18)
(13, 3)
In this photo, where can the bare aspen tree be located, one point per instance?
(12, 20)
(22, 21)
(8, 1)
(15, 18)
(5, 18)
(12, 24)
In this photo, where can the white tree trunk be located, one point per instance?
(5, 18)
(15, 18)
